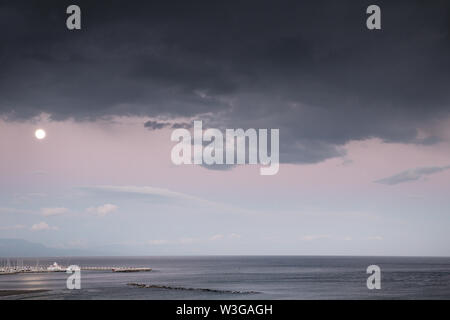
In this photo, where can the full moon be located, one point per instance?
(40, 134)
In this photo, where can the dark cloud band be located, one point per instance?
(309, 68)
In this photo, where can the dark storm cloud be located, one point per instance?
(219, 167)
(411, 175)
(310, 68)
(181, 125)
(155, 125)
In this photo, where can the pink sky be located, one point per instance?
(121, 152)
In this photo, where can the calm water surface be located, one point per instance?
(271, 277)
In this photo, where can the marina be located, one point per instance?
(19, 267)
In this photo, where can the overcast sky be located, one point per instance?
(363, 116)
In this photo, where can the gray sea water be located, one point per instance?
(270, 277)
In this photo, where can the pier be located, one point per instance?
(117, 269)
(8, 270)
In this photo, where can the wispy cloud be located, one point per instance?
(187, 240)
(171, 197)
(157, 242)
(41, 226)
(316, 237)
(219, 236)
(216, 237)
(411, 175)
(46, 212)
(191, 240)
(145, 190)
(103, 210)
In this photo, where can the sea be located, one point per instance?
(238, 278)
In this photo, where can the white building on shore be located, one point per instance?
(55, 267)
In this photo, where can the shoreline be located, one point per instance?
(7, 293)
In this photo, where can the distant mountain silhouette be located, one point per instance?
(24, 248)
